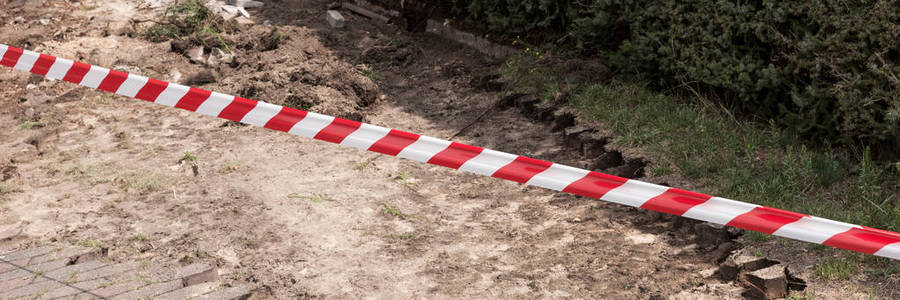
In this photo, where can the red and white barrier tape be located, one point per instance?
(464, 157)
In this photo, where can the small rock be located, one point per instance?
(768, 283)
(243, 12)
(30, 86)
(245, 3)
(244, 21)
(212, 61)
(229, 11)
(195, 54)
(44, 21)
(19, 19)
(175, 75)
(335, 19)
(29, 113)
(741, 261)
(10, 234)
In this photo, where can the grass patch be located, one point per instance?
(230, 167)
(363, 164)
(91, 244)
(191, 20)
(396, 212)
(139, 181)
(32, 125)
(371, 73)
(405, 178)
(743, 160)
(314, 198)
(835, 268)
(188, 156)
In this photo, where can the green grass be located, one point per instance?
(693, 138)
(835, 268)
(371, 73)
(744, 160)
(188, 156)
(315, 198)
(405, 178)
(396, 212)
(190, 20)
(31, 125)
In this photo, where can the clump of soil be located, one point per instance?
(277, 65)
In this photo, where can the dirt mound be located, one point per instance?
(299, 72)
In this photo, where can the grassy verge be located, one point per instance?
(723, 156)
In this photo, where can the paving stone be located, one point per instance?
(768, 283)
(70, 272)
(232, 293)
(150, 290)
(27, 253)
(191, 292)
(112, 288)
(32, 271)
(15, 283)
(73, 254)
(6, 266)
(197, 273)
(31, 289)
(110, 270)
(335, 19)
(9, 234)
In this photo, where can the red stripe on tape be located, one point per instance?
(76, 72)
(11, 57)
(394, 142)
(43, 64)
(337, 130)
(112, 81)
(193, 99)
(237, 109)
(765, 219)
(865, 240)
(285, 119)
(595, 185)
(675, 201)
(522, 169)
(455, 155)
(151, 90)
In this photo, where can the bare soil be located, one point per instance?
(303, 218)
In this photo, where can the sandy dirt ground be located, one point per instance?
(303, 218)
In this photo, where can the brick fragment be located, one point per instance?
(27, 253)
(232, 293)
(191, 292)
(150, 291)
(197, 273)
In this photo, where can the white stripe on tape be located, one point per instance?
(59, 68)
(423, 149)
(812, 229)
(261, 114)
(94, 77)
(214, 105)
(891, 250)
(26, 61)
(311, 125)
(634, 193)
(3, 49)
(719, 210)
(132, 85)
(557, 177)
(488, 162)
(172, 94)
(365, 136)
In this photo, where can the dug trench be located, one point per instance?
(300, 218)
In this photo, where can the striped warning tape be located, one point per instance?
(464, 157)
